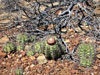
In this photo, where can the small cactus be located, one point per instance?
(32, 38)
(30, 53)
(8, 47)
(19, 71)
(86, 54)
(20, 47)
(22, 38)
(52, 50)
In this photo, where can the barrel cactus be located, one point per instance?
(8, 47)
(22, 38)
(86, 54)
(50, 47)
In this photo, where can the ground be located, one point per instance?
(9, 62)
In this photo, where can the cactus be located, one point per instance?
(32, 38)
(50, 51)
(86, 54)
(22, 38)
(19, 71)
(30, 53)
(20, 47)
(8, 47)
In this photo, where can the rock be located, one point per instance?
(23, 53)
(74, 71)
(58, 12)
(98, 42)
(32, 57)
(98, 56)
(27, 47)
(51, 63)
(32, 65)
(55, 3)
(19, 56)
(67, 41)
(41, 59)
(1, 34)
(23, 59)
(95, 67)
(2, 54)
(98, 49)
(4, 39)
(42, 8)
(64, 30)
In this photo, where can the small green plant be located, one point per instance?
(20, 47)
(30, 53)
(22, 38)
(53, 51)
(32, 38)
(86, 54)
(8, 47)
(19, 71)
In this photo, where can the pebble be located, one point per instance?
(23, 53)
(67, 41)
(1, 34)
(98, 56)
(32, 57)
(98, 49)
(41, 59)
(31, 66)
(74, 71)
(4, 39)
(23, 59)
(95, 67)
(27, 47)
(20, 56)
(2, 54)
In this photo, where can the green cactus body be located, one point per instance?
(19, 71)
(30, 53)
(32, 38)
(20, 47)
(86, 54)
(50, 51)
(38, 47)
(22, 38)
(8, 47)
